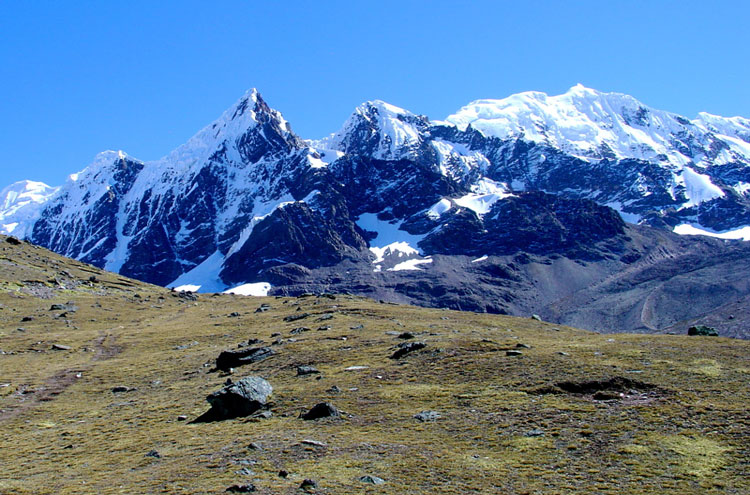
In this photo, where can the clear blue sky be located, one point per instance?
(143, 76)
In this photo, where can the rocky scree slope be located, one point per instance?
(507, 206)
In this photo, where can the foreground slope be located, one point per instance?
(575, 412)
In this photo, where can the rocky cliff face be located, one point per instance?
(467, 213)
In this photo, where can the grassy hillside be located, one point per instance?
(575, 412)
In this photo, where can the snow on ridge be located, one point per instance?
(257, 289)
(742, 233)
(21, 204)
(409, 265)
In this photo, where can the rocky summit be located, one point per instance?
(569, 207)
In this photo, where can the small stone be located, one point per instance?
(27, 318)
(356, 368)
(357, 327)
(563, 353)
(283, 473)
(233, 314)
(306, 370)
(121, 388)
(406, 348)
(308, 485)
(245, 472)
(246, 488)
(254, 446)
(276, 334)
(406, 335)
(534, 433)
(153, 453)
(373, 480)
(425, 416)
(513, 353)
(334, 390)
(314, 443)
(299, 330)
(523, 346)
(60, 347)
(181, 417)
(321, 410)
(324, 328)
(296, 317)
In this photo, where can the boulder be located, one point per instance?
(238, 357)
(703, 330)
(321, 410)
(238, 399)
(407, 347)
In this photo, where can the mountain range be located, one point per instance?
(566, 206)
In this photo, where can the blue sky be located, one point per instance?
(143, 76)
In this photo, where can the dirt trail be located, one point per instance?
(105, 348)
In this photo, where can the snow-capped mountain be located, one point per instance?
(20, 205)
(392, 195)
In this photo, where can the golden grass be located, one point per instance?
(71, 434)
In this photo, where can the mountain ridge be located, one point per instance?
(392, 196)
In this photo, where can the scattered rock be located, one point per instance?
(536, 317)
(334, 390)
(181, 417)
(60, 347)
(563, 353)
(513, 353)
(254, 446)
(308, 485)
(153, 453)
(703, 330)
(283, 473)
(276, 334)
(536, 432)
(523, 346)
(306, 370)
(425, 416)
(239, 399)
(233, 314)
(263, 308)
(324, 327)
(245, 472)
(356, 368)
(239, 357)
(605, 395)
(325, 317)
(314, 443)
(185, 346)
(321, 410)
(406, 335)
(122, 389)
(357, 327)
(296, 317)
(299, 330)
(246, 488)
(373, 480)
(407, 347)
(27, 318)
(13, 241)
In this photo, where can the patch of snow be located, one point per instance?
(698, 187)
(436, 211)
(399, 249)
(485, 193)
(409, 265)
(258, 289)
(740, 233)
(187, 288)
(481, 258)
(205, 275)
(388, 232)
